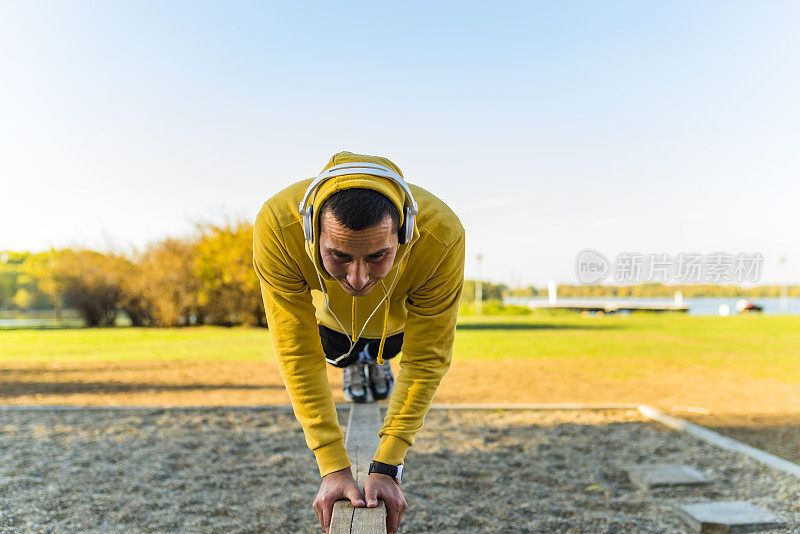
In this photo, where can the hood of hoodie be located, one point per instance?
(387, 187)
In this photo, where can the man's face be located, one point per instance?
(357, 259)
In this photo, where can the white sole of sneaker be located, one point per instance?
(348, 398)
(391, 387)
(371, 389)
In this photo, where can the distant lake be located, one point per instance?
(697, 306)
(40, 319)
(41, 323)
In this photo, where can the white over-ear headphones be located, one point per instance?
(410, 209)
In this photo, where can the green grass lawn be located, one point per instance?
(125, 344)
(757, 346)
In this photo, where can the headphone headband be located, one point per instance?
(358, 167)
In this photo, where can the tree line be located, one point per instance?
(207, 278)
(492, 291)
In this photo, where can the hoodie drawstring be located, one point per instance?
(385, 324)
(353, 321)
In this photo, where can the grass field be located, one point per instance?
(757, 346)
(739, 374)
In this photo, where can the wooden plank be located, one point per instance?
(361, 442)
(342, 517)
(369, 520)
(362, 439)
(350, 520)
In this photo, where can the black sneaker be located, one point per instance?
(381, 379)
(354, 384)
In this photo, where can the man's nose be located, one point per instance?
(357, 276)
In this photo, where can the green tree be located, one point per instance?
(132, 298)
(169, 283)
(23, 299)
(229, 290)
(84, 279)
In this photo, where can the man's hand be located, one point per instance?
(384, 487)
(335, 486)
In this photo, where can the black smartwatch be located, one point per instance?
(394, 471)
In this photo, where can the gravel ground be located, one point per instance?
(248, 470)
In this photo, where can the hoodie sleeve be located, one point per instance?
(427, 351)
(296, 343)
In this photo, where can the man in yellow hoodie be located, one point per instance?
(348, 285)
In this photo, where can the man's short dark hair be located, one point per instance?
(358, 208)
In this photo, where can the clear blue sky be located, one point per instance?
(549, 127)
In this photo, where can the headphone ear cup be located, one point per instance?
(401, 232)
(407, 228)
(308, 224)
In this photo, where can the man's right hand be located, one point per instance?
(335, 486)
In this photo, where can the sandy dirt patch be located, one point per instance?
(762, 412)
(248, 470)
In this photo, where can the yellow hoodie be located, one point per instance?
(423, 304)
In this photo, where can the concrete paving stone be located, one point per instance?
(649, 476)
(727, 516)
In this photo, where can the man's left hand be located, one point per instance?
(384, 487)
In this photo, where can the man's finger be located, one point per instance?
(392, 519)
(327, 511)
(400, 513)
(401, 510)
(354, 494)
(372, 496)
(319, 515)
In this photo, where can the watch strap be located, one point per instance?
(394, 471)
